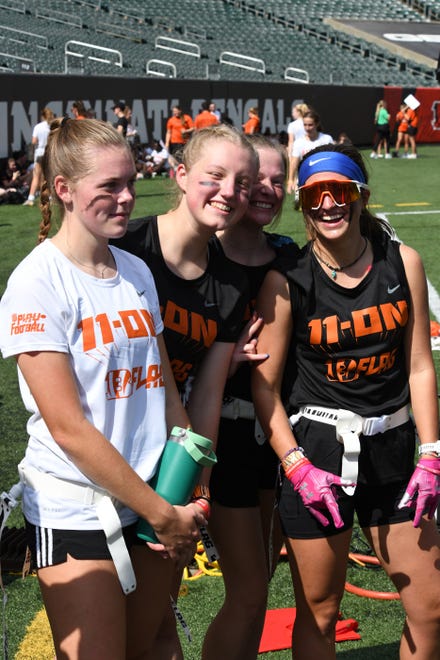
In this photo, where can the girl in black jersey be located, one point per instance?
(354, 309)
(203, 296)
(243, 482)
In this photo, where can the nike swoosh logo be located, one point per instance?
(317, 160)
(140, 293)
(394, 288)
(210, 304)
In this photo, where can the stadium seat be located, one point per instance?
(283, 33)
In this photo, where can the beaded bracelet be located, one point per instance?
(201, 492)
(293, 449)
(291, 457)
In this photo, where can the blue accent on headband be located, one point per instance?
(329, 161)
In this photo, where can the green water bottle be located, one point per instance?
(184, 455)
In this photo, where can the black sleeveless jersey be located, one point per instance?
(195, 312)
(240, 384)
(349, 343)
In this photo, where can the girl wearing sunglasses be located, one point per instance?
(352, 315)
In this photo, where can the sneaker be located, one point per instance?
(412, 156)
(28, 202)
(388, 156)
(380, 155)
(373, 154)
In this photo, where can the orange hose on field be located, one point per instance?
(368, 593)
(367, 559)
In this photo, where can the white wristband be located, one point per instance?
(430, 448)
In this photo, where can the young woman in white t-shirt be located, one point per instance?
(40, 134)
(295, 128)
(83, 322)
(313, 138)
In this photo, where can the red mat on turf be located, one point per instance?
(278, 624)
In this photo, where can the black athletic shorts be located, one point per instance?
(176, 149)
(386, 463)
(412, 130)
(51, 546)
(243, 466)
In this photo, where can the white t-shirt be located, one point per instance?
(302, 146)
(296, 128)
(159, 156)
(108, 328)
(40, 132)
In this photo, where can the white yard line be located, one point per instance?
(434, 301)
(409, 213)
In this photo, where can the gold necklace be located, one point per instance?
(338, 269)
(94, 268)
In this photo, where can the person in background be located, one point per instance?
(15, 180)
(314, 137)
(179, 129)
(205, 118)
(156, 161)
(215, 111)
(40, 134)
(402, 123)
(132, 134)
(121, 123)
(243, 524)
(79, 110)
(202, 295)
(343, 138)
(382, 128)
(95, 376)
(352, 315)
(295, 128)
(253, 123)
(413, 122)
(226, 119)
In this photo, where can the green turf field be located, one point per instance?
(408, 192)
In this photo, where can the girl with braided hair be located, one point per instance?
(83, 322)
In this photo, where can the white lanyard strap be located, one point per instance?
(349, 426)
(369, 425)
(105, 510)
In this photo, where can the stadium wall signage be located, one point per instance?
(342, 108)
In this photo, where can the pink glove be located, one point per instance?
(423, 489)
(317, 489)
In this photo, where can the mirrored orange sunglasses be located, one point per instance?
(342, 192)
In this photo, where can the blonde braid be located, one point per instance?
(46, 213)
